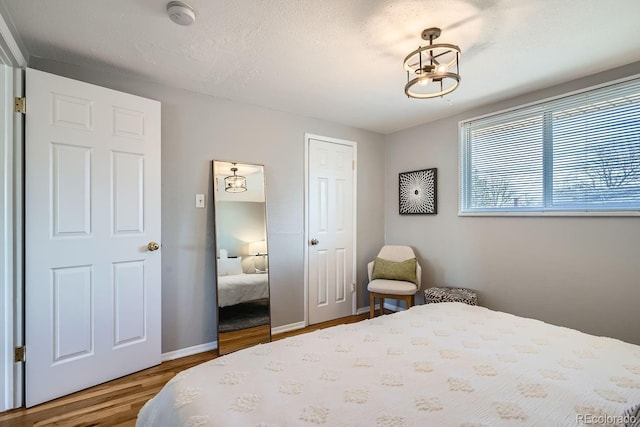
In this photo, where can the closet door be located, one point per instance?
(331, 228)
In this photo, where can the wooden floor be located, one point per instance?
(117, 402)
(229, 342)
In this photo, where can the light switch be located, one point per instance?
(199, 200)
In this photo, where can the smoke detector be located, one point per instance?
(180, 13)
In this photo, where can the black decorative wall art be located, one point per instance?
(418, 192)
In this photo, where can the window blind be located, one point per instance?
(578, 153)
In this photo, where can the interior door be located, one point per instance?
(92, 205)
(331, 229)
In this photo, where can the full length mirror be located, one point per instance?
(242, 263)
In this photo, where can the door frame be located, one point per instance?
(11, 143)
(6, 237)
(354, 145)
(11, 293)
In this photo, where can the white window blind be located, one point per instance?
(575, 154)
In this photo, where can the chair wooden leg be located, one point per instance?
(372, 306)
(408, 299)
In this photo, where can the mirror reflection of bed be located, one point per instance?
(242, 263)
(243, 292)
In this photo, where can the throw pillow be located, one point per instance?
(229, 266)
(403, 270)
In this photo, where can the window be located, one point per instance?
(572, 155)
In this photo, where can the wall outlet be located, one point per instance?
(199, 200)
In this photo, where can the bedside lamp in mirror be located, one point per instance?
(258, 250)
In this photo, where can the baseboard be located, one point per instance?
(393, 306)
(363, 310)
(287, 328)
(189, 351)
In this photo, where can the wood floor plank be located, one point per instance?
(229, 342)
(107, 409)
(117, 403)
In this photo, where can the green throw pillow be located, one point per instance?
(404, 270)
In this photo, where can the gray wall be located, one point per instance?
(239, 223)
(198, 128)
(579, 272)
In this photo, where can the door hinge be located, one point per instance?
(353, 287)
(20, 105)
(19, 354)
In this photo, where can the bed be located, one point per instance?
(235, 286)
(446, 364)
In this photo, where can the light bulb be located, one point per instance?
(424, 81)
(441, 68)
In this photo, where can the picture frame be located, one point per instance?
(418, 192)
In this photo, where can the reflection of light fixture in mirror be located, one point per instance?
(432, 70)
(258, 249)
(235, 183)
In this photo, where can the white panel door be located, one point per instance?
(331, 207)
(92, 190)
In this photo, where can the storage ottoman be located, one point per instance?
(437, 294)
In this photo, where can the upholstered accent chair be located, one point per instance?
(394, 274)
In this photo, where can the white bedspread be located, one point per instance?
(444, 364)
(237, 288)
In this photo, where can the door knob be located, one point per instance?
(153, 246)
(314, 242)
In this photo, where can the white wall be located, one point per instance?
(579, 272)
(198, 128)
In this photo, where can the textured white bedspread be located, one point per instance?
(237, 288)
(444, 364)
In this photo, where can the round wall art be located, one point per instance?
(418, 192)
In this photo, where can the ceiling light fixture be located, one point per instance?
(432, 70)
(235, 183)
(181, 13)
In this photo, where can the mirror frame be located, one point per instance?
(229, 341)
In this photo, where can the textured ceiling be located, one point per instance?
(339, 60)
